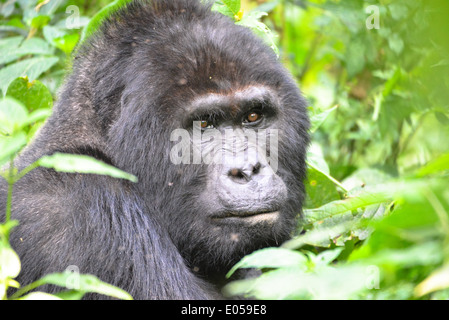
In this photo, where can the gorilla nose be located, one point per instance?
(244, 174)
(250, 187)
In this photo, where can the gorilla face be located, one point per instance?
(225, 127)
(236, 199)
(230, 136)
(206, 117)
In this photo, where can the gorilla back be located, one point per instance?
(153, 68)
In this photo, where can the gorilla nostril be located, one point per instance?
(256, 168)
(245, 174)
(237, 174)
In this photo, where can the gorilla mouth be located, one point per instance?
(251, 217)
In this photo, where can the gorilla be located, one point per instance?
(155, 71)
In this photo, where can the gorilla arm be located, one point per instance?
(102, 227)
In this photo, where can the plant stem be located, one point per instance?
(10, 181)
(27, 288)
(22, 173)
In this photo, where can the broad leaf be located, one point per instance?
(32, 68)
(318, 119)
(86, 283)
(34, 95)
(39, 296)
(82, 164)
(228, 8)
(270, 258)
(10, 146)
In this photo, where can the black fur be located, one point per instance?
(130, 87)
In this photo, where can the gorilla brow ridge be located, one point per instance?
(217, 105)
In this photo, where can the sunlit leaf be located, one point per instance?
(440, 164)
(34, 95)
(11, 145)
(9, 262)
(32, 68)
(67, 43)
(270, 258)
(39, 296)
(317, 120)
(13, 115)
(82, 164)
(40, 21)
(228, 8)
(86, 283)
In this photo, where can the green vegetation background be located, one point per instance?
(376, 221)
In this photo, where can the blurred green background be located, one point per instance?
(376, 75)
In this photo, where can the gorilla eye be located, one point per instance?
(252, 117)
(205, 124)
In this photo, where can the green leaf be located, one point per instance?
(355, 57)
(229, 8)
(7, 8)
(10, 146)
(67, 43)
(13, 50)
(39, 296)
(86, 283)
(13, 29)
(50, 7)
(440, 164)
(38, 115)
(8, 46)
(337, 221)
(322, 236)
(82, 164)
(327, 256)
(316, 159)
(7, 227)
(428, 253)
(316, 162)
(392, 82)
(318, 167)
(252, 21)
(9, 263)
(35, 46)
(51, 33)
(365, 177)
(32, 68)
(270, 258)
(318, 119)
(396, 43)
(319, 189)
(34, 95)
(70, 295)
(9, 268)
(40, 21)
(13, 115)
(347, 205)
(294, 283)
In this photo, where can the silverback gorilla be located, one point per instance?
(152, 68)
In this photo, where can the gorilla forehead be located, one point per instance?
(195, 50)
(231, 102)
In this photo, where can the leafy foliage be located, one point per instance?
(377, 200)
(34, 49)
(376, 220)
